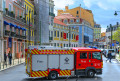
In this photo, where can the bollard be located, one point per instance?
(13, 61)
(3, 65)
(18, 60)
(0, 65)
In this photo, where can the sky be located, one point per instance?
(103, 10)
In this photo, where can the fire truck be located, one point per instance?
(53, 62)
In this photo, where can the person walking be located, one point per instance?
(109, 56)
(10, 57)
(5, 58)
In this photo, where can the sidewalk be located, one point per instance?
(14, 63)
(118, 58)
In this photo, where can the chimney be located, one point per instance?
(66, 8)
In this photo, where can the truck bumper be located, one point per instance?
(98, 71)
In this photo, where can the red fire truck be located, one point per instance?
(55, 62)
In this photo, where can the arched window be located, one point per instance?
(77, 12)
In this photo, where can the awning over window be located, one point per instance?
(6, 23)
(12, 25)
(24, 29)
(18, 27)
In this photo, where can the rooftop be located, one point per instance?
(59, 22)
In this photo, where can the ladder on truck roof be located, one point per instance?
(49, 48)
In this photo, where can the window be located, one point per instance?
(9, 7)
(58, 44)
(72, 36)
(4, 27)
(96, 55)
(10, 29)
(51, 9)
(55, 44)
(4, 5)
(77, 12)
(67, 35)
(64, 45)
(83, 55)
(19, 46)
(61, 34)
(57, 33)
(14, 9)
(27, 9)
(18, 13)
(77, 20)
(51, 33)
(71, 20)
(54, 33)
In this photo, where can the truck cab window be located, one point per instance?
(96, 55)
(83, 55)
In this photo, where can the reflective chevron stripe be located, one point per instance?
(39, 74)
(65, 73)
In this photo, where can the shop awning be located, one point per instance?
(6, 23)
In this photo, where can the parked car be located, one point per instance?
(106, 51)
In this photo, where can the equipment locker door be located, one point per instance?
(81, 60)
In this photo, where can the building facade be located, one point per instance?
(79, 12)
(51, 19)
(1, 28)
(97, 32)
(14, 28)
(62, 36)
(84, 28)
(108, 35)
(29, 16)
(42, 24)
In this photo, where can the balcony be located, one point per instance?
(23, 37)
(9, 13)
(51, 14)
(7, 33)
(13, 34)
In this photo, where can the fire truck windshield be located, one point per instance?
(96, 55)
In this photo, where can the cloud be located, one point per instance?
(103, 30)
(103, 4)
(60, 4)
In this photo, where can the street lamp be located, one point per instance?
(116, 13)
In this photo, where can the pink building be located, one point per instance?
(14, 27)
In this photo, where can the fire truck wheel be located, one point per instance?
(91, 74)
(53, 75)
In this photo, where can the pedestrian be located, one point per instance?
(10, 57)
(109, 56)
(5, 58)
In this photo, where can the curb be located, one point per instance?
(12, 66)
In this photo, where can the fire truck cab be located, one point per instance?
(56, 62)
(88, 62)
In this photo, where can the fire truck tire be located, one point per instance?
(53, 75)
(91, 73)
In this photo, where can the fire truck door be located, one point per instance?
(81, 60)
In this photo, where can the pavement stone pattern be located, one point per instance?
(4, 66)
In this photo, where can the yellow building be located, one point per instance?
(61, 36)
(29, 15)
(79, 12)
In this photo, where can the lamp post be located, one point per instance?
(111, 34)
